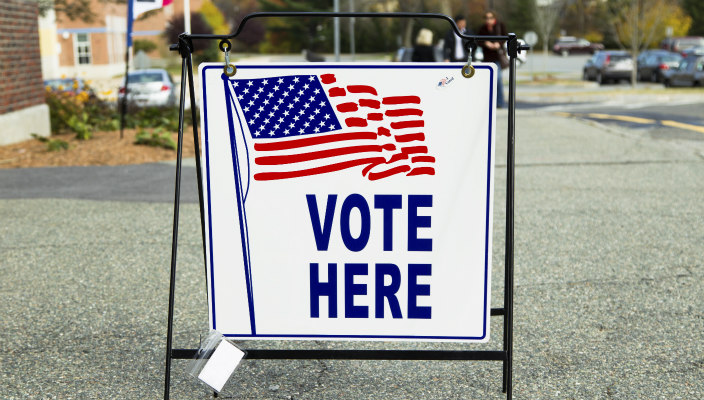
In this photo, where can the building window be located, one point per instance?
(82, 47)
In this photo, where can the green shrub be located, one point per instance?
(52, 144)
(156, 138)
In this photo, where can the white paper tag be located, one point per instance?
(221, 365)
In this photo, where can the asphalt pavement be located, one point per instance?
(609, 295)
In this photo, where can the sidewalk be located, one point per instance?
(609, 287)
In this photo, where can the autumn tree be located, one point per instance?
(639, 23)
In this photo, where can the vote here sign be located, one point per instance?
(349, 201)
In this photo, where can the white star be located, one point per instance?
(276, 108)
(270, 95)
(286, 132)
(301, 112)
(311, 98)
(317, 111)
(271, 114)
(306, 105)
(236, 84)
(295, 80)
(246, 90)
(306, 124)
(266, 101)
(300, 93)
(281, 119)
(285, 113)
(327, 116)
(280, 101)
(290, 87)
(256, 96)
(261, 108)
(332, 126)
(281, 80)
(285, 94)
(316, 130)
(322, 123)
(276, 126)
(316, 91)
(265, 81)
(322, 104)
(305, 86)
(266, 121)
(295, 99)
(311, 78)
(300, 131)
(261, 89)
(290, 106)
(256, 133)
(311, 117)
(276, 87)
(246, 109)
(291, 125)
(250, 83)
(296, 117)
(255, 116)
(251, 102)
(240, 97)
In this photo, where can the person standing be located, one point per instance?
(423, 50)
(454, 48)
(492, 49)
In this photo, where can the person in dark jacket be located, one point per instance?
(423, 50)
(454, 48)
(493, 27)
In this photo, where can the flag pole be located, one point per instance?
(128, 44)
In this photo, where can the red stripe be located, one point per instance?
(336, 92)
(361, 89)
(356, 122)
(403, 112)
(407, 124)
(313, 140)
(381, 131)
(397, 157)
(375, 116)
(316, 155)
(422, 171)
(347, 107)
(423, 159)
(268, 176)
(409, 137)
(393, 171)
(414, 149)
(370, 103)
(369, 167)
(401, 100)
(327, 78)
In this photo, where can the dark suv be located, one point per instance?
(607, 66)
(567, 45)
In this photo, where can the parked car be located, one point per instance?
(149, 87)
(679, 44)
(652, 63)
(567, 45)
(699, 50)
(689, 73)
(607, 66)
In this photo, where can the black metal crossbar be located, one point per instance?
(185, 49)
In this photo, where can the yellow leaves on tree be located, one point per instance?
(643, 23)
(213, 16)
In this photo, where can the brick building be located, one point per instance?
(22, 107)
(75, 48)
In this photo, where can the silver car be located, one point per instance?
(149, 87)
(607, 66)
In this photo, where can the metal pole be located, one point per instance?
(510, 188)
(336, 28)
(187, 15)
(352, 21)
(174, 236)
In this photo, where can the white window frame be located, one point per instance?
(82, 49)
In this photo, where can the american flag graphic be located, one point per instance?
(304, 125)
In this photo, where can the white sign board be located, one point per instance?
(349, 202)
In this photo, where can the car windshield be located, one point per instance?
(671, 57)
(619, 57)
(146, 77)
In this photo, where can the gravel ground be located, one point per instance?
(608, 302)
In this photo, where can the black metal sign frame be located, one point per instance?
(185, 49)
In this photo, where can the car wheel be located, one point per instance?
(600, 79)
(667, 83)
(654, 77)
(585, 75)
